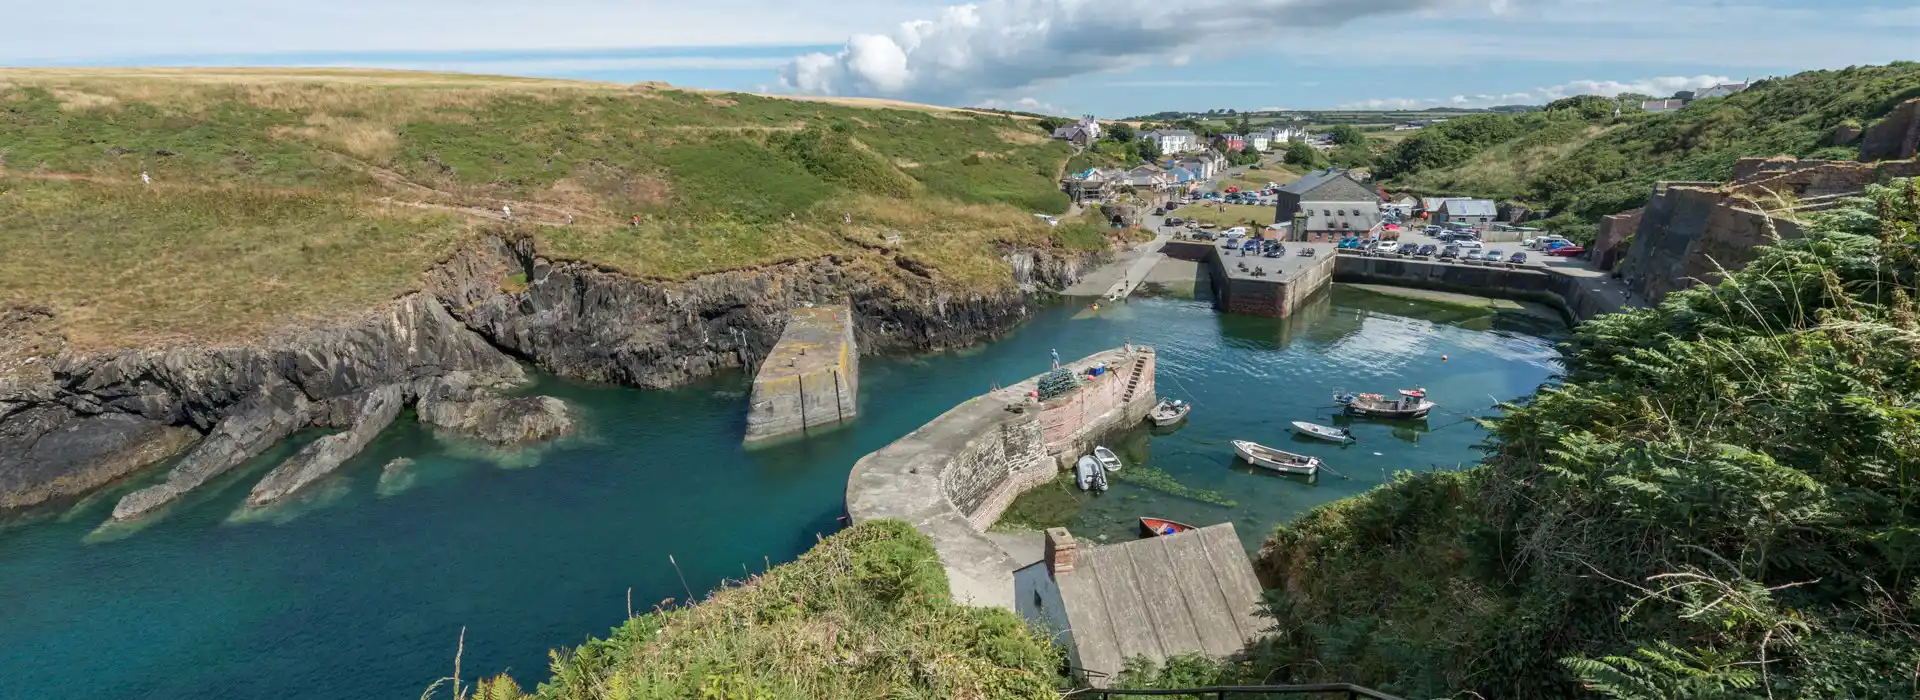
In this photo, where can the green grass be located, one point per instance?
(864, 614)
(402, 164)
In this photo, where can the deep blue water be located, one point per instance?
(362, 589)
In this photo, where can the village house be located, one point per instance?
(1093, 184)
(1216, 158)
(1259, 140)
(1082, 133)
(1662, 106)
(1402, 207)
(1230, 143)
(1281, 135)
(1148, 178)
(1171, 141)
(1328, 205)
(1721, 90)
(1199, 166)
(1478, 213)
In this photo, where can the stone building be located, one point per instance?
(1328, 205)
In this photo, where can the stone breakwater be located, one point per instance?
(73, 422)
(952, 478)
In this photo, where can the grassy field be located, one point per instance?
(1503, 171)
(280, 196)
(1258, 178)
(864, 614)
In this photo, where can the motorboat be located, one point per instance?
(1085, 470)
(1155, 527)
(1108, 460)
(1321, 432)
(1169, 412)
(1378, 406)
(1265, 457)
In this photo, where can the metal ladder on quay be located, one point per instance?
(1133, 381)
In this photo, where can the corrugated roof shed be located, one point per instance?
(1470, 207)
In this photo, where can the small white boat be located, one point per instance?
(1169, 412)
(1108, 460)
(1329, 434)
(1083, 471)
(1278, 460)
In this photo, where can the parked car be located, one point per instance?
(1237, 231)
(1518, 259)
(1306, 252)
(1567, 251)
(1469, 244)
(1175, 221)
(1409, 248)
(1426, 250)
(1549, 242)
(1251, 244)
(1430, 229)
(1450, 252)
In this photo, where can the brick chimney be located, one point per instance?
(1060, 551)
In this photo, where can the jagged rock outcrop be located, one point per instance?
(579, 321)
(123, 409)
(457, 405)
(377, 410)
(71, 422)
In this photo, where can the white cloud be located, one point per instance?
(1657, 87)
(994, 46)
(1024, 104)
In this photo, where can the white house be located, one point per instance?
(1200, 167)
(1721, 90)
(1081, 133)
(1171, 141)
(1260, 140)
(1279, 136)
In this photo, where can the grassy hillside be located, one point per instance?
(282, 196)
(1587, 163)
(864, 614)
(1720, 501)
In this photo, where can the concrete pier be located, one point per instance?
(810, 380)
(953, 477)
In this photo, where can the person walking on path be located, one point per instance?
(1056, 358)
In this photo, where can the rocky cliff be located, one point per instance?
(72, 422)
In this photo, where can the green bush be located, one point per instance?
(1721, 485)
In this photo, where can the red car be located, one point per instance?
(1567, 251)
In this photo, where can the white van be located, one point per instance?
(1544, 242)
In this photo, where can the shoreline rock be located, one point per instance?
(73, 423)
(377, 410)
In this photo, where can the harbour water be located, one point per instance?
(362, 588)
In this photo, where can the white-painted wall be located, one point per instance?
(1036, 598)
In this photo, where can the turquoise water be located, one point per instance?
(362, 589)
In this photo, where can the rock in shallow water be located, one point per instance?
(377, 410)
(455, 405)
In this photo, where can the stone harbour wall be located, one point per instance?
(811, 377)
(953, 477)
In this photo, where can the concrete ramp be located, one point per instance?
(810, 380)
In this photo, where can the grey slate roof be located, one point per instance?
(1161, 596)
(1469, 207)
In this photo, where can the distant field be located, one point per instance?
(1259, 177)
(284, 195)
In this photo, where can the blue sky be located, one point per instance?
(1109, 57)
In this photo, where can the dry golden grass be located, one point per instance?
(307, 195)
(124, 266)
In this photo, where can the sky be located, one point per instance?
(1111, 58)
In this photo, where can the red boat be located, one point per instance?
(1154, 527)
(1419, 393)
